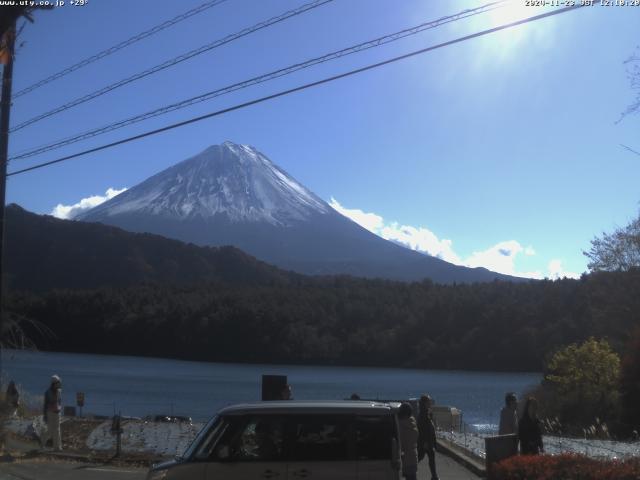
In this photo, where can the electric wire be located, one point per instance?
(259, 79)
(119, 46)
(297, 89)
(173, 61)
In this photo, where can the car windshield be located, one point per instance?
(205, 437)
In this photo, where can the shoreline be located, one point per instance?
(141, 386)
(278, 364)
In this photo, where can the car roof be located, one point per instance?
(298, 407)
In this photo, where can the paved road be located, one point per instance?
(44, 469)
(40, 469)
(447, 468)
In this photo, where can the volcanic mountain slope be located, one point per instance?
(234, 195)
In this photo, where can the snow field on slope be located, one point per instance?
(235, 180)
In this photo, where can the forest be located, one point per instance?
(86, 287)
(497, 326)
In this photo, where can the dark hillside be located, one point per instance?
(44, 252)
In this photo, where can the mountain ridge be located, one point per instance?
(44, 252)
(232, 194)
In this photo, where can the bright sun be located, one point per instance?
(508, 12)
(512, 11)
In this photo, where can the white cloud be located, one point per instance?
(370, 221)
(500, 257)
(556, 271)
(420, 239)
(70, 211)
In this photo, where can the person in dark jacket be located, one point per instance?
(427, 437)
(530, 429)
(12, 398)
(509, 415)
(286, 393)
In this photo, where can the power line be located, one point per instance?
(298, 89)
(259, 79)
(119, 46)
(174, 61)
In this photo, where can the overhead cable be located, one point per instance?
(119, 46)
(173, 61)
(297, 89)
(257, 80)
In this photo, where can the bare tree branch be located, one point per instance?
(633, 73)
(619, 250)
(629, 148)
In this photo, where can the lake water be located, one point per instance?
(138, 386)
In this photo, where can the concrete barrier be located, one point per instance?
(498, 448)
(464, 457)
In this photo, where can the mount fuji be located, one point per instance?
(232, 194)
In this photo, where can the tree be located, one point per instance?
(619, 250)
(630, 383)
(585, 377)
(11, 14)
(633, 71)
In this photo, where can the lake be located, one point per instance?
(137, 386)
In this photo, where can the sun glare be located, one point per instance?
(512, 11)
(509, 12)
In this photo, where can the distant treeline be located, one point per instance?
(492, 326)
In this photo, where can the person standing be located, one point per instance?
(509, 415)
(530, 429)
(408, 441)
(12, 398)
(51, 411)
(427, 437)
(286, 393)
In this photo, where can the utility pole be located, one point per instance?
(5, 110)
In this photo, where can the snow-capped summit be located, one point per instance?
(235, 181)
(232, 194)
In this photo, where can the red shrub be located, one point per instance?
(565, 467)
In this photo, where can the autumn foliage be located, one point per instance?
(584, 378)
(565, 467)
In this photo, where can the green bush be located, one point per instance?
(581, 384)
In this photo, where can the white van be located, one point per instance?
(321, 440)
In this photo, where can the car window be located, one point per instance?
(373, 437)
(260, 439)
(202, 444)
(219, 438)
(320, 438)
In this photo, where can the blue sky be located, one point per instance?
(502, 151)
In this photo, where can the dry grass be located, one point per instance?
(75, 432)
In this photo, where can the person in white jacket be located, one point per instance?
(408, 441)
(51, 413)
